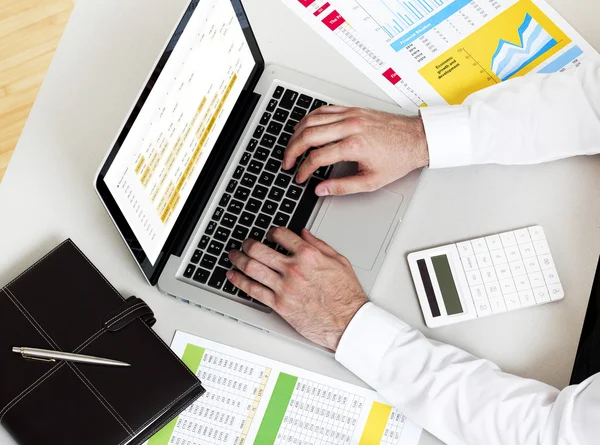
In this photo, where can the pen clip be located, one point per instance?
(37, 359)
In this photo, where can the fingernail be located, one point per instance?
(321, 190)
(229, 274)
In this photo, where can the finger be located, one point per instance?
(315, 119)
(321, 245)
(264, 254)
(285, 238)
(328, 109)
(321, 157)
(251, 287)
(255, 270)
(346, 185)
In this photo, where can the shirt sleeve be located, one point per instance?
(531, 119)
(459, 398)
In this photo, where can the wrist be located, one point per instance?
(421, 146)
(344, 319)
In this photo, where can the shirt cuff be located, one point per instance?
(448, 136)
(366, 340)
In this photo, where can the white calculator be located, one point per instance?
(485, 276)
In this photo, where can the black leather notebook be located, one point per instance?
(63, 303)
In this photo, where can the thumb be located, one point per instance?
(346, 186)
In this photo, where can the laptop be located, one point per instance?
(196, 167)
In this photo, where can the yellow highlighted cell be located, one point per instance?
(376, 423)
(139, 165)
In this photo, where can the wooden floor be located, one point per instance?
(29, 34)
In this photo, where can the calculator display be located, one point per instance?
(447, 285)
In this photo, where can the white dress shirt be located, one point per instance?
(457, 397)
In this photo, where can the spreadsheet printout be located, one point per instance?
(438, 52)
(255, 400)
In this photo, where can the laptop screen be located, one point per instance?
(167, 147)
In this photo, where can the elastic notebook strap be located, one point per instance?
(132, 309)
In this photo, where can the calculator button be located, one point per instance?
(465, 248)
(498, 257)
(536, 279)
(551, 276)
(507, 286)
(512, 302)
(508, 239)
(556, 292)
(541, 247)
(522, 283)
(541, 295)
(474, 278)
(527, 250)
(479, 245)
(493, 242)
(522, 236)
(488, 274)
(498, 305)
(517, 268)
(503, 272)
(546, 262)
(532, 265)
(512, 253)
(478, 293)
(536, 233)
(469, 263)
(493, 290)
(484, 260)
(526, 298)
(483, 308)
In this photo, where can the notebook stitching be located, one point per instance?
(122, 315)
(52, 342)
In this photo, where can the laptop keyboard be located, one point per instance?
(260, 195)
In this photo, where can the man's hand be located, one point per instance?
(385, 146)
(314, 288)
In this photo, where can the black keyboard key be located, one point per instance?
(294, 192)
(245, 158)
(255, 167)
(258, 303)
(305, 207)
(304, 101)
(235, 207)
(273, 165)
(282, 180)
(257, 234)
(243, 295)
(215, 248)
(231, 186)
(210, 229)
(272, 105)
(282, 251)
(233, 245)
(242, 193)
(228, 220)
(274, 128)
(208, 261)
(270, 244)
(281, 115)
(248, 180)
(260, 192)
(263, 221)
(276, 194)
(266, 117)
(189, 271)
(278, 152)
(268, 140)
(224, 261)
(218, 213)
(252, 145)
(196, 256)
(240, 233)
(253, 205)
(266, 178)
(323, 172)
(317, 104)
(204, 241)
(298, 113)
(288, 99)
(259, 131)
(230, 288)
(269, 207)
(281, 219)
(225, 199)
(218, 278)
(201, 276)
(239, 171)
(222, 234)
(247, 219)
(278, 92)
(287, 206)
(290, 126)
(262, 154)
(284, 139)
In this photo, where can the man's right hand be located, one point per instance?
(385, 146)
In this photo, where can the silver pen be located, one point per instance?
(52, 356)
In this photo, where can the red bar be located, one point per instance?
(306, 3)
(392, 76)
(334, 20)
(321, 9)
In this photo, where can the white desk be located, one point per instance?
(107, 51)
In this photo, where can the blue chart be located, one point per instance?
(510, 58)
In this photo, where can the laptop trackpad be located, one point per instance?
(357, 225)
